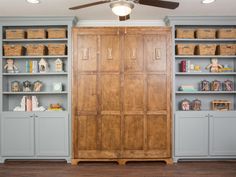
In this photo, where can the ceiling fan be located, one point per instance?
(123, 8)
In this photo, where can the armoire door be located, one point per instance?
(147, 88)
(96, 95)
(122, 93)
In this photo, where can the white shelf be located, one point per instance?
(204, 56)
(203, 73)
(204, 40)
(35, 57)
(35, 93)
(36, 40)
(35, 74)
(206, 92)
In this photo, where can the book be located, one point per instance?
(183, 66)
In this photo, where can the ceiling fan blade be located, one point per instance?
(90, 4)
(123, 18)
(160, 3)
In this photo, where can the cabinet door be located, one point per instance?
(222, 135)
(191, 134)
(51, 133)
(17, 134)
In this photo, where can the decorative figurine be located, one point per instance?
(228, 85)
(58, 65)
(10, 67)
(55, 107)
(215, 85)
(196, 105)
(27, 86)
(35, 104)
(57, 87)
(43, 66)
(185, 105)
(22, 106)
(37, 86)
(205, 85)
(214, 66)
(15, 86)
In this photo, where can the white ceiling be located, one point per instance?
(103, 12)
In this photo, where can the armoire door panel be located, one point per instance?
(87, 52)
(110, 53)
(87, 93)
(155, 52)
(110, 92)
(87, 132)
(133, 93)
(133, 53)
(111, 132)
(156, 93)
(157, 135)
(133, 132)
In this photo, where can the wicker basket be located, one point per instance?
(185, 33)
(54, 33)
(36, 33)
(185, 49)
(206, 33)
(226, 49)
(56, 49)
(36, 50)
(226, 33)
(13, 50)
(15, 34)
(206, 49)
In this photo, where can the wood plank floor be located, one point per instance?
(140, 169)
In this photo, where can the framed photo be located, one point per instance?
(196, 105)
(15, 86)
(37, 86)
(185, 105)
(228, 85)
(215, 85)
(205, 85)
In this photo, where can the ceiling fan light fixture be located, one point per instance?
(208, 1)
(121, 8)
(33, 1)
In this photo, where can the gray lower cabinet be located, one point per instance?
(191, 134)
(39, 135)
(205, 135)
(223, 134)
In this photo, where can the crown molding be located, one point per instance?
(94, 23)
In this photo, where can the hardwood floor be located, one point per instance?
(142, 169)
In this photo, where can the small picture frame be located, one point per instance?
(27, 86)
(205, 85)
(228, 85)
(37, 86)
(215, 85)
(15, 86)
(57, 87)
(196, 105)
(185, 105)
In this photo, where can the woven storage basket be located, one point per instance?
(13, 50)
(185, 49)
(185, 33)
(36, 49)
(206, 49)
(226, 49)
(36, 33)
(54, 33)
(15, 34)
(206, 33)
(56, 49)
(226, 33)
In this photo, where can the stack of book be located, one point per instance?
(185, 66)
(31, 67)
(187, 88)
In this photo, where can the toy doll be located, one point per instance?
(10, 67)
(214, 66)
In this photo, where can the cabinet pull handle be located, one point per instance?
(157, 53)
(85, 54)
(109, 56)
(32, 116)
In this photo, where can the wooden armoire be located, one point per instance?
(122, 94)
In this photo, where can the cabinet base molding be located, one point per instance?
(168, 161)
